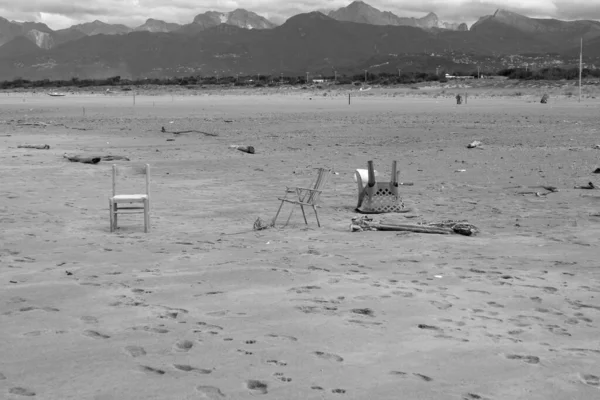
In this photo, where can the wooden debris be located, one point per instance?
(442, 228)
(114, 158)
(163, 130)
(84, 160)
(544, 99)
(42, 124)
(245, 149)
(34, 146)
(473, 145)
(590, 185)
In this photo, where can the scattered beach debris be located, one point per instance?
(544, 99)
(474, 144)
(550, 189)
(81, 159)
(245, 149)
(365, 223)
(590, 185)
(260, 225)
(227, 120)
(114, 158)
(163, 130)
(34, 146)
(42, 124)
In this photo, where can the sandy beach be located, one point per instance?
(204, 307)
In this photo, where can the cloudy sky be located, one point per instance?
(63, 13)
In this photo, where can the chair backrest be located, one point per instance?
(125, 172)
(320, 182)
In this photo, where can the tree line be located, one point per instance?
(549, 74)
(383, 78)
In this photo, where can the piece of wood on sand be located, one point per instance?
(82, 159)
(34, 146)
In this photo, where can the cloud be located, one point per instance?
(63, 13)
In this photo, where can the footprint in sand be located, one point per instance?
(338, 391)
(210, 392)
(328, 356)
(2, 376)
(135, 351)
(189, 368)
(183, 345)
(150, 370)
(19, 391)
(256, 387)
(430, 327)
(276, 362)
(557, 330)
(283, 337)
(280, 376)
(473, 396)
(89, 320)
(316, 388)
(405, 374)
(95, 334)
(591, 380)
(441, 305)
(527, 359)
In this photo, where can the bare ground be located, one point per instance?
(203, 307)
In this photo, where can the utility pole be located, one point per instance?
(580, 67)
(365, 76)
(334, 76)
(478, 72)
(307, 78)
(399, 72)
(281, 78)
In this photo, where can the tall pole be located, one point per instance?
(307, 78)
(365, 76)
(580, 67)
(335, 76)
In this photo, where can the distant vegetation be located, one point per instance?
(548, 74)
(263, 81)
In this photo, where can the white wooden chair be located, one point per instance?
(132, 203)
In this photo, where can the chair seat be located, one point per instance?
(130, 197)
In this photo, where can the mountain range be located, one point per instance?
(349, 39)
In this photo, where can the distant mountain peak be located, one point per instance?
(239, 17)
(361, 12)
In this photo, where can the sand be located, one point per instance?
(203, 307)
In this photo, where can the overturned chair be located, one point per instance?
(377, 197)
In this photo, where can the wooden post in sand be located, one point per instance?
(348, 98)
(580, 67)
(83, 111)
(134, 98)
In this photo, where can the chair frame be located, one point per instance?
(113, 202)
(305, 196)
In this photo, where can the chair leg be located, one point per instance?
(303, 214)
(290, 216)
(115, 214)
(317, 215)
(278, 211)
(110, 214)
(146, 217)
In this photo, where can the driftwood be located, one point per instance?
(544, 99)
(163, 130)
(442, 228)
(114, 158)
(590, 185)
(245, 149)
(32, 124)
(473, 145)
(34, 146)
(84, 160)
